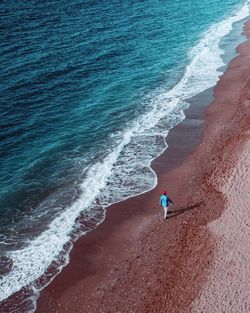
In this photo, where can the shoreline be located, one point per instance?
(127, 255)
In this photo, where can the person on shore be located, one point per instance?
(164, 202)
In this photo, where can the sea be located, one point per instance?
(89, 91)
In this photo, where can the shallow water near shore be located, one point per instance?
(108, 157)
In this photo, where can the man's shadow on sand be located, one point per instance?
(183, 210)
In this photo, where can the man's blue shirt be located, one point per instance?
(164, 200)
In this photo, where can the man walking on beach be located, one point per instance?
(164, 202)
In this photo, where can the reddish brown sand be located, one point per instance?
(197, 261)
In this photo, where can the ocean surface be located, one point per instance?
(89, 91)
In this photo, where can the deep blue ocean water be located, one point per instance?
(89, 90)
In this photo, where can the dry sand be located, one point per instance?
(227, 288)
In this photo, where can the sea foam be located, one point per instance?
(125, 171)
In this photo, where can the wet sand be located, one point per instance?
(197, 260)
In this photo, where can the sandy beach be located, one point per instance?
(197, 261)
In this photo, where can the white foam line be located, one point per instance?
(31, 262)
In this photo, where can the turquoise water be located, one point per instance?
(89, 90)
